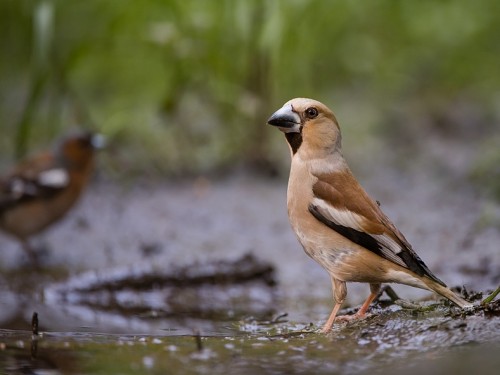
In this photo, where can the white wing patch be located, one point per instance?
(54, 178)
(387, 242)
(389, 247)
(345, 218)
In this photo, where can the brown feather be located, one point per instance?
(343, 192)
(335, 220)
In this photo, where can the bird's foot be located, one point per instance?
(345, 318)
(326, 328)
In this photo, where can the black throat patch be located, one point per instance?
(294, 140)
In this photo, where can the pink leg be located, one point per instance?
(329, 323)
(374, 289)
(339, 294)
(361, 313)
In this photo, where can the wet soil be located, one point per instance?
(391, 341)
(145, 228)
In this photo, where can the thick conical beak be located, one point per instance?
(285, 119)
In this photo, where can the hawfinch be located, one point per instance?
(334, 219)
(40, 190)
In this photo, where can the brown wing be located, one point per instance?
(342, 204)
(38, 177)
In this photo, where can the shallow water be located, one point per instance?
(155, 330)
(392, 341)
(236, 329)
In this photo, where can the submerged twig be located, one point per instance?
(278, 319)
(197, 338)
(34, 337)
(291, 334)
(405, 304)
(34, 323)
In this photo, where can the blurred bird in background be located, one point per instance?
(335, 220)
(40, 190)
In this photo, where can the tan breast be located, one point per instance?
(342, 258)
(317, 242)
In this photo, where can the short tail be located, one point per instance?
(447, 293)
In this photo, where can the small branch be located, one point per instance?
(390, 293)
(387, 289)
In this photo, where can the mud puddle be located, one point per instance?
(113, 323)
(143, 299)
(101, 312)
(393, 340)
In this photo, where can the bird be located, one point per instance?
(335, 220)
(41, 189)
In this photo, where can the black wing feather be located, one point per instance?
(409, 257)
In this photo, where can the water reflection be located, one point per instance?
(139, 320)
(21, 354)
(143, 299)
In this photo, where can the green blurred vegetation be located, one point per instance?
(185, 86)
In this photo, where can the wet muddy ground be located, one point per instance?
(266, 321)
(392, 341)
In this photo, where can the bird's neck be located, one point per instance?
(320, 162)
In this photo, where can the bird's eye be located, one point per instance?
(311, 112)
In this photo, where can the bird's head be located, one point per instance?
(307, 124)
(77, 150)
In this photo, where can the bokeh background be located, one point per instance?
(185, 87)
(182, 90)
